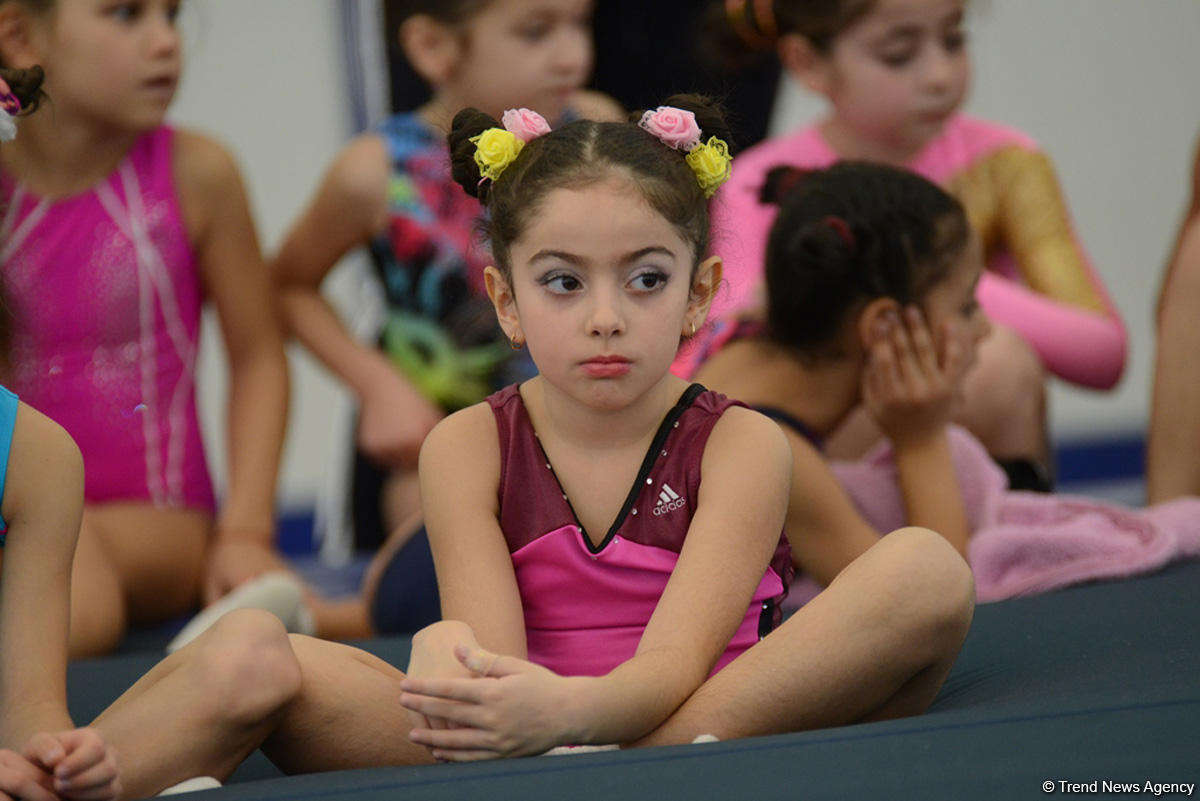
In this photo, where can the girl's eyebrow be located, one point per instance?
(572, 258)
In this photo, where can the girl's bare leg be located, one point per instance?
(1004, 402)
(877, 643)
(204, 708)
(348, 618)
(133, 564)
(1173, 444)
(346, 715)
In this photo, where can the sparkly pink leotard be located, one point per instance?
(586, 607)
(105, 298)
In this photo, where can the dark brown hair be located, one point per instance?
(580, 153)
(847, 235)
(740, 29)
(27, 86)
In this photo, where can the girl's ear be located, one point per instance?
(17, 49)
(432, 47)
(877, 312)
(704, 287)
(505, 303)
(805, 63)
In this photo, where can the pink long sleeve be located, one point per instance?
(1078, 346)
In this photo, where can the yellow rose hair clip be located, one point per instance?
(496, 148)
(712, 164)
(676, 128)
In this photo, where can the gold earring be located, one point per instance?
(515, 345)
(693, 325)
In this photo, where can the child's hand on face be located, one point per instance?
(77, 762)
(394, 420)
(907, 388)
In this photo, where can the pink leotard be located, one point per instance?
(105, 298)
(1039, 280)
(586, 608)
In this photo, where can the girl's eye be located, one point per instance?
(898, 58)
(649, 281)
(560, 283)
(955, 40)
(125, 11)
(969, 308)
(534, 33)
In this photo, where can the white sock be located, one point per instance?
(191, 785)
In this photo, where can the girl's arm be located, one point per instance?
(1063, 309)
(349, 208)
(460, 477)
(739, 515)
(222, 231)
(43, 505)
(909, 388)
(524, 708)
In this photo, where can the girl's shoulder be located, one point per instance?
(467, 436)
(356, 182)
(967, 139)
(803, 147)
(205, 170)
(588, 104)
(40, 455)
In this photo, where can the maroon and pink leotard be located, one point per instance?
(586, 607)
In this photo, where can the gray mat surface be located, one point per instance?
(1093, 683)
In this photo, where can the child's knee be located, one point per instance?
(248, 666)
(937, 588)
(1008, 377)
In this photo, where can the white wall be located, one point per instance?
(1107, 86)
(267, 79)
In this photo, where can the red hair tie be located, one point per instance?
(841, 227)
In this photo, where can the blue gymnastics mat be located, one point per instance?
(1094, 683)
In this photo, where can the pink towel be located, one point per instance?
(1025, 543)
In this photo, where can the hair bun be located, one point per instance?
(26, 85)
(780, 182)
(468, 123)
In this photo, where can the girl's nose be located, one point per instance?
(573, 51)
(164, 38)
(606, 319)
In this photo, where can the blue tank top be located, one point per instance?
(8, 420)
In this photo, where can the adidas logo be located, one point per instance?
(668, 501)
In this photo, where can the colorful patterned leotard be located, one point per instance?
(105, 298)
(441, 330)
(586, 607)
(1039, 280)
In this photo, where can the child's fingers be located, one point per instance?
(23, 780)
(85, 749)
(97, 782)
(46, 750)
(922, 342)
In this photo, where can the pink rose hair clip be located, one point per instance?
(525, 124)
(674, 127)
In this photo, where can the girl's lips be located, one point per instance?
(606, 366)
